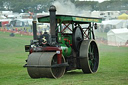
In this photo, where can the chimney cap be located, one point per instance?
(52, 8)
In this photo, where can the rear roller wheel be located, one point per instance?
(44, 59)
(89, 54)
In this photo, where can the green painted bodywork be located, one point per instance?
(65, 45)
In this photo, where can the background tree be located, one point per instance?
(43, 5)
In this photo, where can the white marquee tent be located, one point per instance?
(117, 37)
(105, 26)
(116, 24)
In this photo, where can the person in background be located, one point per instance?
(126, 44)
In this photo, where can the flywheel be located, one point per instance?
(89, 56)
(43, 64)
(77, 37)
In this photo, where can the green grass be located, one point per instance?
(113, 68)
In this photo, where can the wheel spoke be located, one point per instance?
(91, 64)
(91, 56)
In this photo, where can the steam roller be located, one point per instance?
(69, 44)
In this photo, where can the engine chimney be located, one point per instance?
(53, 23)
(34, 23)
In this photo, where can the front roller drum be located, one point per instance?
(89, 56)
(44, 59)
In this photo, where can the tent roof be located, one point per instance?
(119, 31)
(112, 22)
(123, 16)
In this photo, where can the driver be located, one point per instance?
(44, 38)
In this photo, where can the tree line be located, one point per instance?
(108, 5)
(43, 5)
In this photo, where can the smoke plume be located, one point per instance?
(66, 7)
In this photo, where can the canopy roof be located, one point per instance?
(69, 18)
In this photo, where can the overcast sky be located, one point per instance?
(93, 0)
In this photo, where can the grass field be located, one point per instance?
(113, 68)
